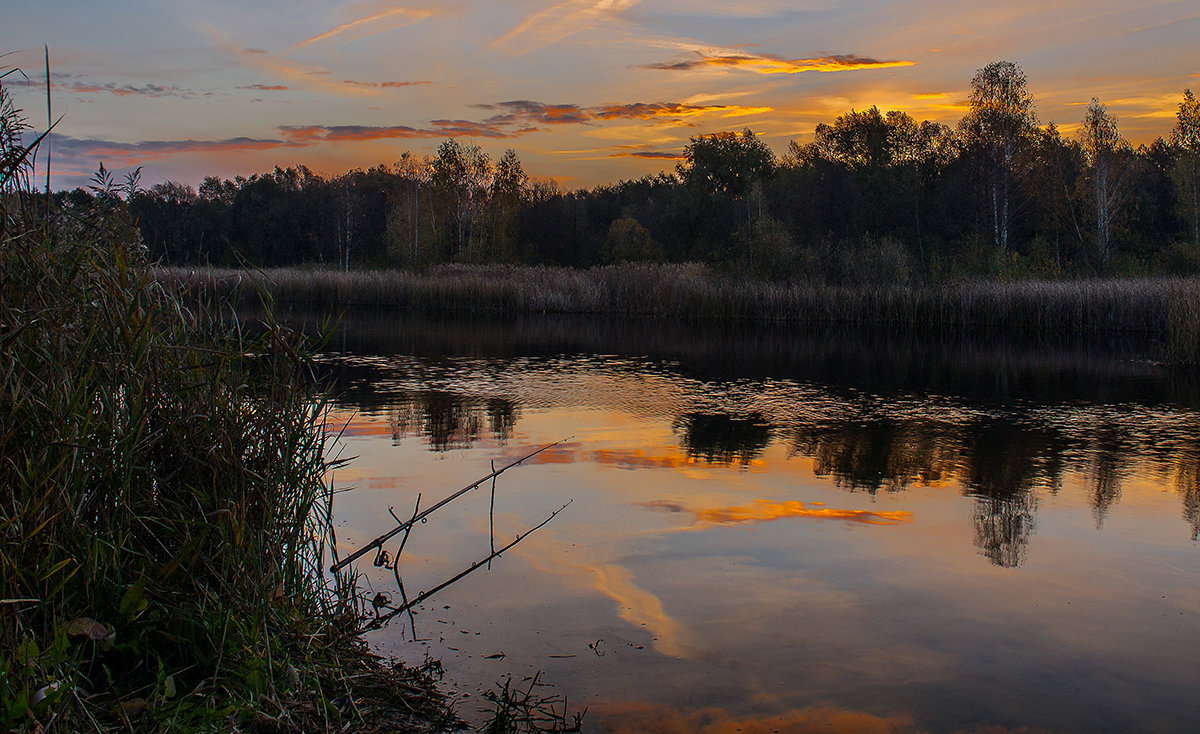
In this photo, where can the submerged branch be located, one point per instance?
(384, 619)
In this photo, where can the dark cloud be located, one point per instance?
(530, 112)
(123, 90)
(312, 134)
(654, 154)
(266, 87)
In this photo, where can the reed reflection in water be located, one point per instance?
(798, 544)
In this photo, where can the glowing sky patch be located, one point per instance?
(228, 88)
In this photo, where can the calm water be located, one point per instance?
(778, 531)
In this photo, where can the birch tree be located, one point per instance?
(1107, 175)
(1186, 173)
(1000, 122)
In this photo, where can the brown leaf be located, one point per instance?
(88, 627)
(134, 706)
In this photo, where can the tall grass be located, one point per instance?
(163, 512)
(1166, 306)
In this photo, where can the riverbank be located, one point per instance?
(1167, 307)
(165, 520)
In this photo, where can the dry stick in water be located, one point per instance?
(421, 518)
(396, 571)
(492, 517)
(384, 619)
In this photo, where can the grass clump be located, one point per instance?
(163, 511)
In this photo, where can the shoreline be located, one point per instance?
(1167, 307)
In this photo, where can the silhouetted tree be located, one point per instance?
(1107, 179)
(1186, 137)
(999, 125)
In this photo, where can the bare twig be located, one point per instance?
(419, 518)
(378, 622)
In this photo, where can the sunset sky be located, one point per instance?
(586, 91)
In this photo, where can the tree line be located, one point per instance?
(876, 196)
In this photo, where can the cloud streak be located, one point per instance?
(770, 64)
(559, 22)
(385, 20)
(652, 155)
(126, 90)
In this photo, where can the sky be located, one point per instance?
(586, 92)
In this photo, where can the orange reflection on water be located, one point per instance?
(765, 510)
(636, 717)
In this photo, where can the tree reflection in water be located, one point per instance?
(723, 439)
(1187, 484)
(449, 420)
(1005, 423)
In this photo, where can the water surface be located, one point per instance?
(774, 529)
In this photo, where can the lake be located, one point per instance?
(772, 529)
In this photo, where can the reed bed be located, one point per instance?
(163, 512)
(1166, 306)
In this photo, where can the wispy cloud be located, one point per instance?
(559, 22)
(308, 76)
(125, 90)
(379, 20)
(383, 85)
(770, 64)
(266, 87)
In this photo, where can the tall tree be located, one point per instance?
(409, 237)
(509, 184)
(1186, 137)
(1000, 122)
(460, 175)
(1107, 175)
(728, 163)
(856, 139)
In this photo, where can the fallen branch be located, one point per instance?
(421, 517)
(385, 618)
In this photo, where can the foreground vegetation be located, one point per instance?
(1168, 307)
(163, 511)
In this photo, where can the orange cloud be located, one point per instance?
(636, 459)
(768, 64)
(266, 87)
(767, 510)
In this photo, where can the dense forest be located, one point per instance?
(875, 197)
